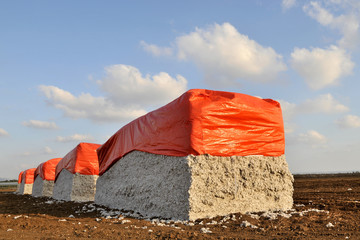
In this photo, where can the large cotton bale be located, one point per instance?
(205, 154)
(76, 174)
(27, 181)
(19, 182)
(44, 178)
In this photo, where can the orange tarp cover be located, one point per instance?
(202, 122)
(82, 159)
(20, 176)
(28, 176)
(46, 170)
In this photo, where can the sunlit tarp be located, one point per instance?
(82, 159)
(46, 170)
(20, 176)
(28, 176)
(202, 122)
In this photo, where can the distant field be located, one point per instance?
(327, 175)
(8, 185)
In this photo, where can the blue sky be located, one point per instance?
(73, 71)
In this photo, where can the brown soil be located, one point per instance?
(325, 207)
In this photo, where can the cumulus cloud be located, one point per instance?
(321, 67)
(325, 103)
(312, 138)
(126, 84)
(98, 109)
(156, 50)
(225, 55)
(40, 124)
(288, 111)
(320, 14)
(347, 24)
(127, 95)
(75, 138)
(48, 150)
(3, 133)
(287, 4)
(349, 121)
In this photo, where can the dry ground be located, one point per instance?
(325, 207)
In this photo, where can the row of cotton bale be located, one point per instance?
(71, 178)
(207, 153)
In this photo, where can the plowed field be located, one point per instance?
(325, 207)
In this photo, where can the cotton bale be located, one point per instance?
(205, 154)
(44, 178)
(76, 174)
(27, 181)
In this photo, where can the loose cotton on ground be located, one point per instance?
(205, 154)
(76, 174)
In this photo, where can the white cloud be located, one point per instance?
(349, 121)
(325, 103)
(288, 109)
(127, 94)
(48, 150)
(347, 24)
(98, 109)
(288, 112)
(224, 55)
(3, 133)
(321, 67)
(40, 124)
(156, 50)
(75, 138)
(320, 14)
(313, 138)
(287, 4)
(125, 84)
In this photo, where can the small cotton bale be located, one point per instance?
(44, 178)
(27, 181)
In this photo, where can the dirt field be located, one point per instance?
(325, 207)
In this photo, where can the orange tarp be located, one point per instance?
(28, 176)
(82, 159)
(202, 122)
(46, 170)
(20, 176)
